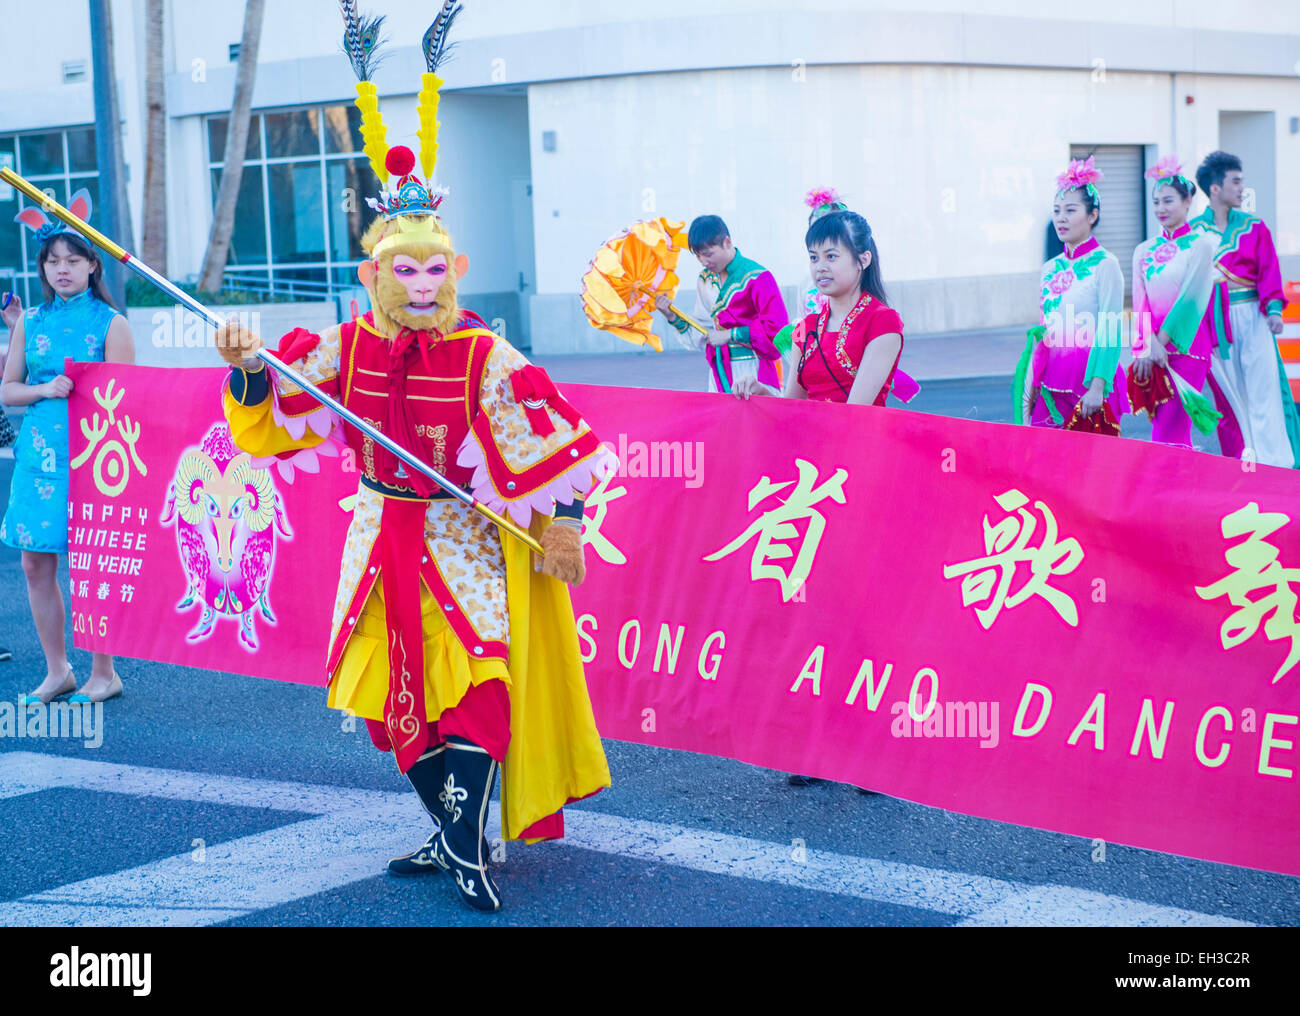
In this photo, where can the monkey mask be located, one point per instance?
(413, 269)
(411, 275)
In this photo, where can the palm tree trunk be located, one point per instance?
(153, 248)
(223, 217)
(114, 212)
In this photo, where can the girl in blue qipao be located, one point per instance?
(77, 321)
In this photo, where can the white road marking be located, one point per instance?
(980, 899)
(349, 835)
(45, 772)
(1066, 907)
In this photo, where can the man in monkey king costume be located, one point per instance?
(459, 653)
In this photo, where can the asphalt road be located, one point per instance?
(222, 799)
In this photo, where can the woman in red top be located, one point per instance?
(851, 347)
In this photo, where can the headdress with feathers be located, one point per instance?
(409, 195)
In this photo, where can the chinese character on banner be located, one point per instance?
(112, 467)
(1007, 547)
(600, 499)
(1257, 570)
(776, 526)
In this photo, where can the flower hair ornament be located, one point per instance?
(44, 227)
(1083, 174)
(823, 201)
(1167, 170)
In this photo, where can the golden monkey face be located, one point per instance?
(413, 281)
(422, 281)
(428, 291)
(415, 286)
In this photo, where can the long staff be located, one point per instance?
(717, 352)
(48, 204)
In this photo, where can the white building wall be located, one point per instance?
(951, 183)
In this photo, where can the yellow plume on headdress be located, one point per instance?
(373, 131)
(427, 107)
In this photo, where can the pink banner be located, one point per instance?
(179, 581)
(1092, 636)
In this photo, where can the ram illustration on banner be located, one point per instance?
(227, 513)
(156, 469)
(1097, 638)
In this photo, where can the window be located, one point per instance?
(302, 198)
(81, 151)
(60, 161)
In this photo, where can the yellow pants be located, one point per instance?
(359, 684)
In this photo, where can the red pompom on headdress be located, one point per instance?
(408, 195)
(400, 161)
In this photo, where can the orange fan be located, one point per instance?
(627, 275)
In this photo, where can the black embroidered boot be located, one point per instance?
(426, 776)
(461, 847)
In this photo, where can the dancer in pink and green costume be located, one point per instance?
(745, 305)
(1173, 279)
(1260, 421)
(1070, 365)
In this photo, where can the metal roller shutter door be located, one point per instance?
(1123, 207)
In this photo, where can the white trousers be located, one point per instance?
(1252, 386)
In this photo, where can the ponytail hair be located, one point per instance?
(850, 231)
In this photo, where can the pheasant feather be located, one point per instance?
(435, 43)
(361, 39)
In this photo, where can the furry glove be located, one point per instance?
(237, 345)
(562, 550)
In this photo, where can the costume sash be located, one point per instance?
(401, 538)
